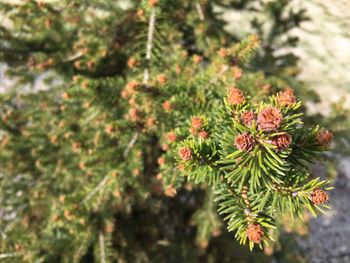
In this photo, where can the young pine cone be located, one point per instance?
(255, 233)
(270, 119)
(185, 153)
(319, 196)
(286, 97)
(244, 142)
(235, 96)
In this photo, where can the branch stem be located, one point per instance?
(150, 36)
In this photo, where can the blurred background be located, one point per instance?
(307, 40)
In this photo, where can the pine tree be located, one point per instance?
(144, 102)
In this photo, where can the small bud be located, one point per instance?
(203, 134)
(161, 79)
(140, 13)
(248, 117)
(132, 85)
(223, 52)
(161, 161)
(193, 131)
(237, 73)
(90, 64)
(165, 147)
(150, 122)
(85, 84)
(65, 96)
(167, 106)
(132, 62)
(109, 128)
(48, 23)
(77, 64)
(152, 3)
(197, 59)
(170, 191)
(171, 136)
(133, 113)
(124, 94)
(197, 122)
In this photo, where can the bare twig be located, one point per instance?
(131, 144)
(73, 57)
(102, 247)
(200, 11)
(95, 190)
(217, 76)
(151, 27)
(10, 255)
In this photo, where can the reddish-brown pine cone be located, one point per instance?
(167, 106)
(161, 78)
(124, 94)
(185, 153)
(171, 136)
(153, 3)
(235, 96)
(203, 134)
(133, 113)
(270, 119)
(237, 73)
(181, 167)
(132, 85)
(282, 141)
(324, 137)
(286, 97)
(150, 121)
(170, 191)
(255, 233)
(193, 131)
(244, 142)
(132, 62)
(197, 59)
(319, 196)
(161, 161)
(223, 52)
(197, 122)
(248, 117)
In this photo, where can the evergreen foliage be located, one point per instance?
(144, 101)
